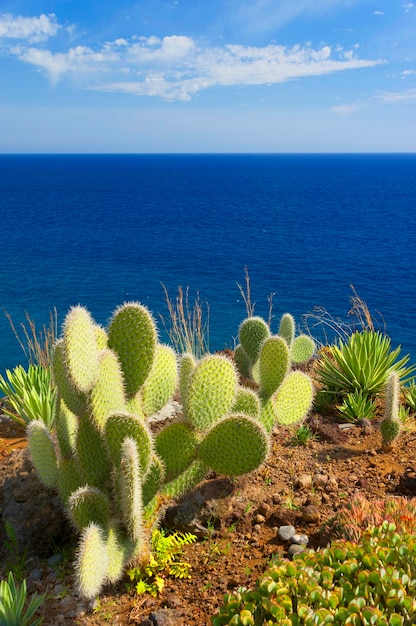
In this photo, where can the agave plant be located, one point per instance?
(363, 362)
(13, 611)
(357, 405)
(30, 395)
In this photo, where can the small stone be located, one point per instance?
(310, 513)
(286, 532)
(257, 528)
(372, 452)
(35, 574)
(353, 478)
(304, 481)
(300, 540)
(346, 426)
(295, 549)
(320, 480)
(55, 559)
(259, 519)
(332, 484)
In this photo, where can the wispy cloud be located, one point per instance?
(408, 7)
(31, 29)
(378, 12)
(395, 97)
(176, 67)
(345, 110)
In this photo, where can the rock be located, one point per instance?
(166, 617)
(295, 549)
(310, 513)
(304, 481)
(299, 540)
(259, 519)
(320, 480)
(286, 532)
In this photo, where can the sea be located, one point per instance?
(311, 229)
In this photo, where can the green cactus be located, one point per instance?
(253, 331)
(274, 364)
(302, 349)
(114, 476)
(242, 361)
(133, 337)
(287, 328)
(390, 425)
(294, 399)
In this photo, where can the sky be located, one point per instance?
(156, 76)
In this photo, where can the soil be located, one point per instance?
(237, 521)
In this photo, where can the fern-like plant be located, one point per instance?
(165, 560)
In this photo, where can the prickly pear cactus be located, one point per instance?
(114, 476)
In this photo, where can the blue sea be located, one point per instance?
(99, 230)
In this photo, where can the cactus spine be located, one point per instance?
(113, 475)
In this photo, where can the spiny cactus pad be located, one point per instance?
(81, 349)
(211, 391)
(242, 361)
(236, 445)
(107, 395)
(176, 446)
(161, 382)
(75, 400)
(274, 364)
(92, 561)
(302, 349)
(390, 430)
(287, 328)
(247, 402)
(66, 424)
(294, 398)
(43, 452)
(132, 335)
(122, 425)
(92, 454)
(253, 331)
(89, 504)
(129, 481)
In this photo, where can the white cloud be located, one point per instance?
(378, 12)
(408, 7)
(34, 29)
(394, 97)
(176, 67)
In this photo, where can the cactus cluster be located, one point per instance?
(285, 396)
(114, 476)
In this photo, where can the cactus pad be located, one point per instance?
(242, 361)
(236, 445)
(253, 331)
(122, 425)
(293, 399)
(132, 335)
(74, 399)
(91, 452)
(274, 363)
(92, 561)
(43, 452)
(176, 445)
(247, 402)
(211, 391)
(80, 348)
(302, 349)
(107, 395)
(287, 328)
(88, 504)
(161, 382)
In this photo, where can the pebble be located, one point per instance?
(310, 513)
(286, 532)
(304, 481)
(259, 519)
(299, 540)
(320, 480)
(295, 549)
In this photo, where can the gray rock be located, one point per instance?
(295, 549)
(286, 532)
(300, 540)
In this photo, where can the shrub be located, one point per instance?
(363, 362)
(370, 583)
(357, 405)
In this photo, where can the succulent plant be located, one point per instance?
(372, 582)
(114, 475)
(356, 515)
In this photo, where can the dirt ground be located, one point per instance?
(238, 520)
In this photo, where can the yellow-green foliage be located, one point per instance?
(372, 583)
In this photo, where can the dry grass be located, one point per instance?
(36, 344)
(187, 325)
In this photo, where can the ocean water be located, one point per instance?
(99, 230)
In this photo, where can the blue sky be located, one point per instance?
(207, 76)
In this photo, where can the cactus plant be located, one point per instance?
(285, 396)
(390, 424)
(115, 476)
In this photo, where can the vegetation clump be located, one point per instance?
(372, 582)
